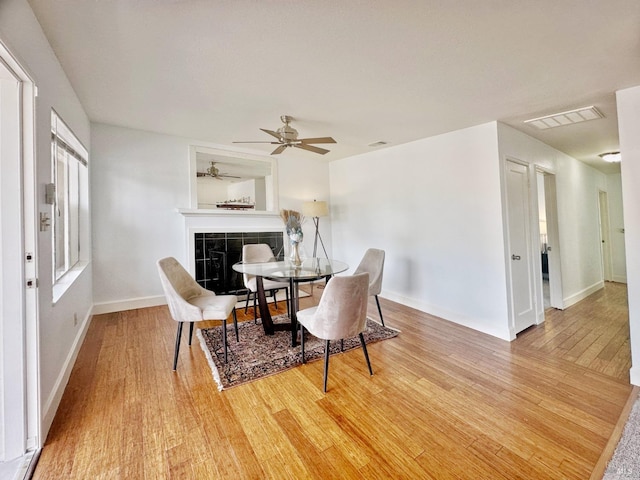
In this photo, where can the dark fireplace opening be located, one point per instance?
(217, 252)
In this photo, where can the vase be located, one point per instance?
(294, 254)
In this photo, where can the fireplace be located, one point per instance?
(215, 254)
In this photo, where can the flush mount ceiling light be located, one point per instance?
(565, 118)
(611, 157)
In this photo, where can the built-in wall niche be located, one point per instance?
(230, 182)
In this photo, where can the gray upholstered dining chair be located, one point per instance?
(259, 253)
(341, 313)
(373, 264)
(189, 302)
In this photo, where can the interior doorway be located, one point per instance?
(605, 236)
(19, 392)
(520, 245)
(549, 241)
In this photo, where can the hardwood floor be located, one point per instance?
(445, 402)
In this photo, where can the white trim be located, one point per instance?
(64, 282)
(448, 315)
(582, 294)
(130, 304)
(31, 414)
(53, 402)
(203, 212)
(634, 374)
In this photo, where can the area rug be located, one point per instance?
(257, 355)
(625, 462)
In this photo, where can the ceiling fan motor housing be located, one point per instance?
(287, 133)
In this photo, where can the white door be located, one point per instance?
(521, 265)
(19, 400)
(553, 242)
(605, 244)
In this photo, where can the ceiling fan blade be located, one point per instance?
(311, 148)
(279, 150)
(222, 175)
(272, 133)
(317, 140)
(201, 174)
(271, 143)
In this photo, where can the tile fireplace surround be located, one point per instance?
(215, 254)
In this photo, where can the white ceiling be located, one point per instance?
(360, 71)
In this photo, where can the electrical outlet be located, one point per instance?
(75, 319)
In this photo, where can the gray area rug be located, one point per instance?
(257, 355)
(625, 463)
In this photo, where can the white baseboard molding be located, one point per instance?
(620, 278)
(582, 294)
(453, 317)
(634, 374)
(53, 402)
(130, 304)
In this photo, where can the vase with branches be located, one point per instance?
(293, 223)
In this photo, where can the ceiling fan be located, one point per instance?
(213, 171)
(288, 137)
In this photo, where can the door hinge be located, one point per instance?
(32, 283)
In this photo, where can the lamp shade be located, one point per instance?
(315, 209)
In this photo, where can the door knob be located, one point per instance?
(515, 257)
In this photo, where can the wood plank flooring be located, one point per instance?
(445, 402)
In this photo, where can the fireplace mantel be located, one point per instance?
(202, 212)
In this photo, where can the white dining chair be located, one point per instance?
(189, 302)
(341, 313)
(260, 253)
(373, 263)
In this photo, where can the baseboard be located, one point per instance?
(453, 317)
(616, 435)
(131, 304)
(52, 403)
(634, 375)
(582, 294)
(620, 278)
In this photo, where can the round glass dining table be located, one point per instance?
(311, 269)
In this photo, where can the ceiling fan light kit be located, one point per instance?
(287, 136)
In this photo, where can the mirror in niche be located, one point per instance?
(228, 181)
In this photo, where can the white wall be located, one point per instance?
(139, 181)
(60, 338)
(616, 226)
(577, 187)
(629, 128)
(434, 206)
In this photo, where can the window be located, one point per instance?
(70, 201)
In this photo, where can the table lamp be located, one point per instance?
(315, 210)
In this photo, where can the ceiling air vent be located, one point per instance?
(565, 118)
(377, 144)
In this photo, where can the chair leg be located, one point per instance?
(235, 324)
(274, 294)
(246, 304)
(302, 342)
(191, 324)
(224, 338)
(342, 345)
(175, 355)
(379, 309)
(366, 354)
(326, 364)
